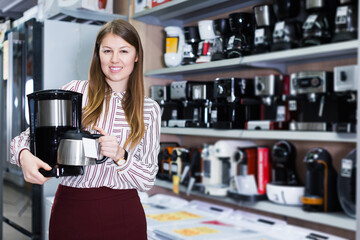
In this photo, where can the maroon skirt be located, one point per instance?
(97, 213)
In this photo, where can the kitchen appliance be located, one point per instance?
(141, 5)
(346, 184)
(169, 109)
(346, 24)
(33, 51)
(192, 39)
(265, 21)
(345, 87)
(318, 27)
(287, 30)
(164, 158)
(241, 41)
(320, 182)
(222, 30)
(274, 111)
(206, 46)
(174, 46)
(230, 108)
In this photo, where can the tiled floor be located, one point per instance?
(17, 208)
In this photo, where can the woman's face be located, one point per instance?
(117, 59)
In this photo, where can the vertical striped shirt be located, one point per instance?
(140, 169)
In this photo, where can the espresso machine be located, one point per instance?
(287, 30)
(274, 112)
(174, 45)
(208, 37)
(241, 41)
(52, 114)
(222, 30)
(346, 23)
(346, 184)
(232, 105)
(320, 182)
(318, 27)
(265, 21)
(192, 39)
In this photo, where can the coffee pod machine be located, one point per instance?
(318, 27)
(320, 182)
(232, 105)
(222, 31)
(174, 46)
(265, 22)
(287, 30)
(346, 23)
(192, 39)
(345, 85)
(241, 41)
(55, 132)
(346, 184)
(207, 43)
(274, 112)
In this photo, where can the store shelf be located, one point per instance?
(262, 134)
(338, 219)
(180, 12)
(277, 60)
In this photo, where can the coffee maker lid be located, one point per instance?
(53, 94)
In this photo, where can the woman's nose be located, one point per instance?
(115, 57)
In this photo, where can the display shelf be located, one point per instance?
(262, 134)
(277, 60)
(337, 219)
(180, 12)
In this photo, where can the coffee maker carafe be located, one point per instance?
(346, 23)
(320, 182)
(265, 21)
(55, 118)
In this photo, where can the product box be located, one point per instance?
(264, 168)
(155, 3)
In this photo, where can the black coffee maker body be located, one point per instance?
(265, 20)
(320, 182)
(222, 30)
(346, 21)
(52, 113)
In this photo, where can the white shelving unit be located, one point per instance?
(180, 12)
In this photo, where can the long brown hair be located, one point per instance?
(99, 91)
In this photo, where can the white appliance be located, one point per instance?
(175, 41)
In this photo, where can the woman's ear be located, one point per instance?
(136, 58)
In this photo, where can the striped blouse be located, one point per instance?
(140, 169)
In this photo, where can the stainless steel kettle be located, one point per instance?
(71, 149)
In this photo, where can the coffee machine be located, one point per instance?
(320, 182)
(206, 46)
(318, 27)
(265, 21)
(222, 30)
(52, 114)
(287, 30)
(192, 39)
(232, 105)
(174, 45)
(241, 41)
(346, 184)
(346, 23)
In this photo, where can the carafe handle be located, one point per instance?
(102, 160)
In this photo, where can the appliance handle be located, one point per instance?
(9, 93)
(102, 160)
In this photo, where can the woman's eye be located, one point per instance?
(107, 51)
(124, 51)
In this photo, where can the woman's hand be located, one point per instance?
(30, 166)
(109, 146)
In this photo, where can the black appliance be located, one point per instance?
(192, 39)
(318, 27)
(265, 21)
(287, 30)
(222, 31)
(241, 41)
(232, 105)
(283, 164)
(52, 113)
(346, 23)
(346, 184)
(320, 182)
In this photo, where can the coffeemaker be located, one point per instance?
(206, 46)
(52, 114)
(287, 30)
(274, 112)
(318, 27)
(192, 39)
(346, 23)
(174, 45)
(222, 30)
(241, 41)
(232, 105)
(265, 21)
(320, 182)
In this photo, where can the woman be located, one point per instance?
(103, 202)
